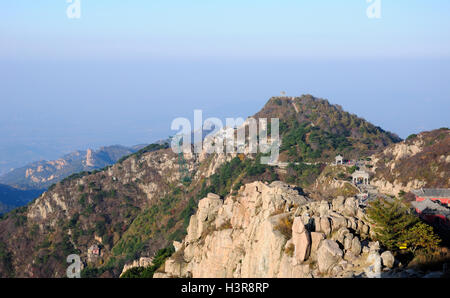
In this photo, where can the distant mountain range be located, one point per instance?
(42, 174)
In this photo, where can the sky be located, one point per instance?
(125, 69)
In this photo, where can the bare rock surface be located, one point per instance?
(270, 230)
(388, 259)
(328, 255)
(141, 262)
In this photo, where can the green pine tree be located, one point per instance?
(421, 236)
(389, 221)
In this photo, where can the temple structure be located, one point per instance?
(360, 177)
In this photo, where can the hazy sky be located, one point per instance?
(125, 69)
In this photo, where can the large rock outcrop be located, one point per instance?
(273, 231)
(141, 262)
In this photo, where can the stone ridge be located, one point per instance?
(272, 231)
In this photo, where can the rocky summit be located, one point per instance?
(270, 230)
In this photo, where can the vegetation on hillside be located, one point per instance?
(429, 164)
(304, 142)
(103, 204)
(303, 174)
(414, 242)
(233, 174)
(6, 261)
(312, 129)
(399, 230)
(147, 149)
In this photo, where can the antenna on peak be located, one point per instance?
(283, 93)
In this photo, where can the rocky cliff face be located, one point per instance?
(97, 208)
(420, 161)
(269, 230)
(89, 162)
(141, 262)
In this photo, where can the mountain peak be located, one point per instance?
(89, 158)
(324, 129)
